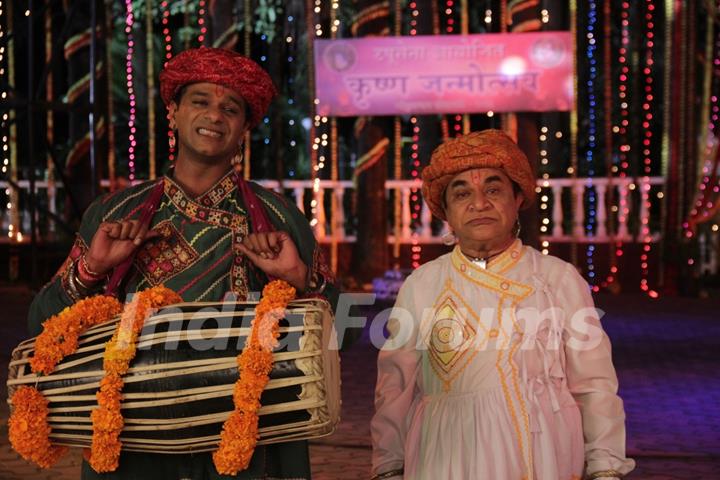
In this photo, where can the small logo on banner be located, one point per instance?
(548, 52)
(340, 57)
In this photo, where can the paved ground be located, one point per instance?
(667, 353)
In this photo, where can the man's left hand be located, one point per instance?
(275, 254)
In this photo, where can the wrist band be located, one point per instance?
(85, 269)
(70, 283)
(317, 283)
(391, 473)
(74, 286)
(603, 473)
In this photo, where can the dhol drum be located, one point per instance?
(178, 391)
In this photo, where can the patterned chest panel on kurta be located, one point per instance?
(217, 217)
(218, 192)
(166, 256)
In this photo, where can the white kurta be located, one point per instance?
(484, 388)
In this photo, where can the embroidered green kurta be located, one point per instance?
(196, 255)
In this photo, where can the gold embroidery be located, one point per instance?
(127, 199)
(198, 235)
(506, 390)
(490, 279)
(451, 337)
(272, 207)
(516, 383)
(508, 258)
(215, 283)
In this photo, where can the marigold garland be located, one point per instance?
(59, 337)
(240, 430)
(29, 430)
(107, 420)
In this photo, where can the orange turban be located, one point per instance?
(222, 67)
(485, 149)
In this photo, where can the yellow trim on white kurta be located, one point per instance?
(447, 367)
(491, 277)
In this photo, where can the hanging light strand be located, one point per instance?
(201, 22)
(542, 191)
(704, 205)
(290, 41)
(151, 125)
(167, 48)
(4, 128)
(620, 167)
(9, 154)
(416, 248)
(5, 117)
(397, 157)
(129, 23)
(334, 205)
(314, 30)
(647, 142)
(590, 52)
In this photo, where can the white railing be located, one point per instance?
(565, 225)
(562, 227)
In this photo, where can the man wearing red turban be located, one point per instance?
(200, 230)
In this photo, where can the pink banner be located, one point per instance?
(499, 72)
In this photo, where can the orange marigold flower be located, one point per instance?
(106, 419)
(119, 352)
(240, 431)
(28, 428)
(60, 332)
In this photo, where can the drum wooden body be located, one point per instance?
(178, 391)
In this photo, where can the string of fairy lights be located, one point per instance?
(319, 138)
(449, 14)
(544, 212)
(592, 131)
(647, 133)
(4, 125)
(704, 205)
(290, 40)
(129, 24)
(620, 166)
(415, 247)
(167, 48)
(201, 22)
(3, 94)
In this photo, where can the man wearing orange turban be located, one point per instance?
(498, 367)
(201, 230)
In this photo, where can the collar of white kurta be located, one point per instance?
(493, 277)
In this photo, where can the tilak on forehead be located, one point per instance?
(485, 149)
(225, 68)
(478, 177)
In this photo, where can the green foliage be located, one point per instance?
(267, 14)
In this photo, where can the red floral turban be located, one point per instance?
(485, 149)
(222, 67)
